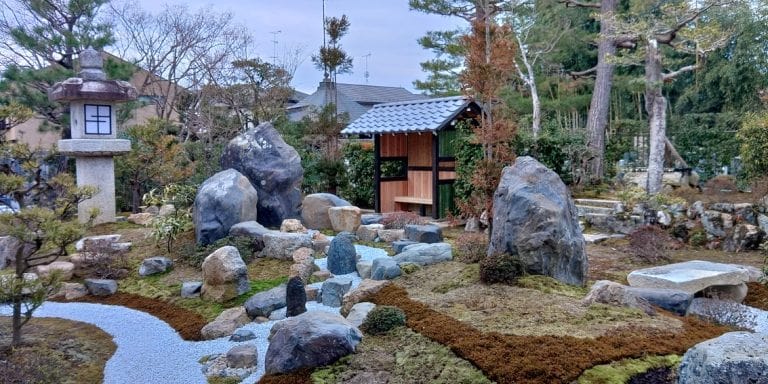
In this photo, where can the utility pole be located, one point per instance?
(366, 74)
(274, 46)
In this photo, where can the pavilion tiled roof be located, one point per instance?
(428, 115)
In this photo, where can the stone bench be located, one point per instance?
(724, 281)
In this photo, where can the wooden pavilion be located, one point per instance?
(414, 149)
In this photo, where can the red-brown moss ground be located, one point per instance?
(541, 359)
(184, 321)
(300, 377)
(757, 296)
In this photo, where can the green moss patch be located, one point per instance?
(399, 357)
(619, 372)
(546, 284)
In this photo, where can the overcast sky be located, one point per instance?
(386, 29)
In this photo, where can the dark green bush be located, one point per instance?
(244, 244)
(471, 247)
(383, 319)
(501, 268)
(649, 244)
(358, 189)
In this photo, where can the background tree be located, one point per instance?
(671, 26)
(155, 159)
(12, 114)
(324, 126)
(489, 65)
(178, 48)
(38, 44)
(44, 226)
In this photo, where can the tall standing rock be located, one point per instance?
(225, 199)
(535, 220)
(342, 256)
(295, 297)
(274, 169)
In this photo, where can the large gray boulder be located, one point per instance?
(535, 220)
(312, 339)
(225, 199)
(425, 254)
(314, 209)
(342, 256)
(225, 275)
(734, 357)
(274, 169)
(263, 303)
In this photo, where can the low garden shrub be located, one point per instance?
(650, 244)
(501, 268)
(383, 319)
(398, 220)
(471, 247)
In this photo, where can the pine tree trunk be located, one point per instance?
(16, 339)
(16, 324)
(597, 119)
(655, 106)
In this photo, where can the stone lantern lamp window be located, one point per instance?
(98, 119)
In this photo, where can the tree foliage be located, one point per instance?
(44, 226)
(38, 44)
(155, 159)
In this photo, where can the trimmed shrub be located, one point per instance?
(398, 220)
(383, 319)
(471, 247)
(501, 268)
(649, 244)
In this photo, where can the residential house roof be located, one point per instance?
(353, 99)
(427, 115)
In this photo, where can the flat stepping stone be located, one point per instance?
(594, 238)
(690, 276)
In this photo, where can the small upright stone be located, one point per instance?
(342, 256)
(155, 265)
(242, 356)
(292, 226)
(295, 297)
(101, 287)
(190, 289)
(333, 291)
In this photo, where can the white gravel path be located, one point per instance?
(149, 351)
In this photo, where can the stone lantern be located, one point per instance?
(92, 103)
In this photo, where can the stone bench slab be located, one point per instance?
(689, 276)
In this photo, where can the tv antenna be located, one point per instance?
(366, 74)
(274, 46)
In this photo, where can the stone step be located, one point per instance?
(604, 203)
(587, 209)
(602, 216)
(595, 238)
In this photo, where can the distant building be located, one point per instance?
(354, 99)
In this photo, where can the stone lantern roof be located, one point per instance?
(92, 83)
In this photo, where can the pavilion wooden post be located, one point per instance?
(435, 176)
(377, 173)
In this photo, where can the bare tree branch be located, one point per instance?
(583, 73)
(673, 74)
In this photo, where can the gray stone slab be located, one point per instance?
(689, 276)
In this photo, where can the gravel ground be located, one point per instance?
(150, 351)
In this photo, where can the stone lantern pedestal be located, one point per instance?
(94, 143)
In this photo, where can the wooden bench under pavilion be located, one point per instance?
(414, 152)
